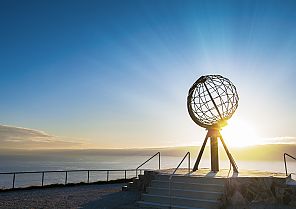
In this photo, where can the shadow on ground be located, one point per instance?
(117, 200)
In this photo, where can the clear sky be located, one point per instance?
(117, 73)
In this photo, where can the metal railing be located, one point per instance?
(88, 171)
(286, 154)
(171, 176)
(158, 153)
(14, 174)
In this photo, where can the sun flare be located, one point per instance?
(239, 133)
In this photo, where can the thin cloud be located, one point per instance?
(280, 140)
(12, 137)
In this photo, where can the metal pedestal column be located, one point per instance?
(214, 134)
(214, 154)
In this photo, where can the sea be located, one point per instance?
(20, 163)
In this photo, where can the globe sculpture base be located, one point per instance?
(214, 134)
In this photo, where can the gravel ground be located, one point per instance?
(108, 196)
(116, 200)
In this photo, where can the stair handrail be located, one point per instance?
(286, 154)
(171, 176)
(158, 153)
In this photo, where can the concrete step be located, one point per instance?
(192, 179)
(153, 205)
(188, 186)
(140, 176)
(188, 202)
(124, 188)
(131, 186)
(136, 180)
(185, 193)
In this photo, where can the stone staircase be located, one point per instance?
(186, 193)
(136, 184)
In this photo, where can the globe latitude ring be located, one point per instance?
(211, 101)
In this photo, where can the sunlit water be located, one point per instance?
(37, 163)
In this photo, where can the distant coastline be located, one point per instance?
(268, 152)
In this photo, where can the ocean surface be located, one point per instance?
(10, 163)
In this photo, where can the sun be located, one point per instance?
(239, 133)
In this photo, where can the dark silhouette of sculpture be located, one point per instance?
(211, 101)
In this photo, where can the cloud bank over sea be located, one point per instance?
(12, 137)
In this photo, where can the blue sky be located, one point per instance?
(116, 73)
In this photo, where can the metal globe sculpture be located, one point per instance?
(211, 101)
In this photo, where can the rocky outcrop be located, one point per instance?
(244, 191)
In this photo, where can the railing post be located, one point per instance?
(13, 180)
(66, 178)
(285, 164)
(158, 160)
(136, 173)
(107, 176)
(125, 174)
(170, 195)
(88, 176)
(189, 163)
(42, 181)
